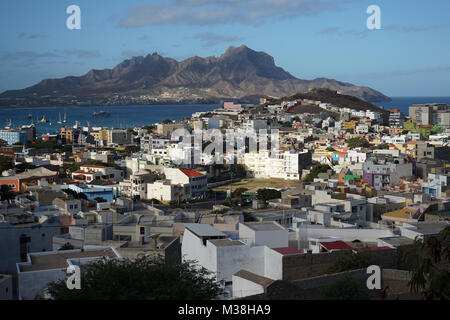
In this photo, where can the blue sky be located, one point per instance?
(308, 38)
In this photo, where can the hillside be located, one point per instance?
(240, 74)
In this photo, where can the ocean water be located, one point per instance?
(403, 103)
(133, 116)
(120, 116)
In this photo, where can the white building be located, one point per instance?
(89, 173)
(269, 234)
(285, 165)
(44, 267)
(197, 181)
(165, 190)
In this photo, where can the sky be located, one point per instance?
(408, 56)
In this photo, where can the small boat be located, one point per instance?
(100, 113)
(65, 118)
(43, 120)
(59, 121)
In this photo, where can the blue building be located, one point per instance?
(12, 136)
(92, 191)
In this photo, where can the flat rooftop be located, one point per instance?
(58, 260)
(264, 226)
(430, 227)
(226, 242)
(204, 230)
(397, 241)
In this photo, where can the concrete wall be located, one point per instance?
(31, 283)
(41, 240)
(6, 287)
(364, 235)
(243, 287)
(270, 238)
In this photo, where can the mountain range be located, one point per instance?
(240, 74)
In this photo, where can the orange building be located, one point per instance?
(67, 134)
(32, 176)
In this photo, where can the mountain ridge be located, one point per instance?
(237, 74)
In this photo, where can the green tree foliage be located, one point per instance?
(357, 143)
(320, 168)
(347, 289)
(268, 194)
(238, 193)
(6, 193)
(149, 128)
(379, 147)
(72, 167)
(21, 167)
(352, 262)
(145, 278)
(75, 194)
(429, 264)
(167, 121)
(66, 246)
(40, 144)
(6, 163)
(248, 217)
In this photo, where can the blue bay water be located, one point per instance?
(120, 116)
(403, 103)
(133, 116)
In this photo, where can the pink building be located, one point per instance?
(231, 106)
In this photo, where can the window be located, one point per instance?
(142, 230)
(43, 235)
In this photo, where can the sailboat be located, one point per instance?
(9, 124)
(59, 121)
(65, 118)
(43, 120)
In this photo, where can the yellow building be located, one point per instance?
(350, 125)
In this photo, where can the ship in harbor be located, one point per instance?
(43, 120)
(100, 113)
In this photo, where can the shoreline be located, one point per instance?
(109, 106)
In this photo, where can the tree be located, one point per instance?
(352, 262)
(428, 264)
(268, 194)
(145, 278)
(167, 121)
(320, 168)
(357, 143)
(6, 163)
(75, 194)
(129, 150)
(21, 167)
(66, 246)
(6, 193)
(347, 289)
(379, 147)
(238, 193)
(248, 217)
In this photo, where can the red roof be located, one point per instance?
(191, 173)
(336, 245)
(287, 251)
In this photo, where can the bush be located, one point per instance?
(268, 194)
(347, 289)
(320, 168)
(353, 262)
(145, 278)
